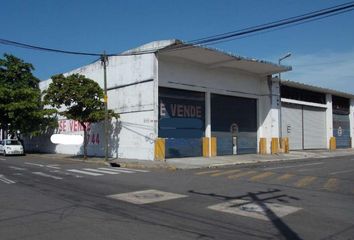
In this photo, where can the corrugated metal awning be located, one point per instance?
(213, 58)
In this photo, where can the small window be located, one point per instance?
(13, 142)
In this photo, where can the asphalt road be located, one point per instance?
(55, 199)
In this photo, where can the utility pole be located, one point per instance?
(104, 60)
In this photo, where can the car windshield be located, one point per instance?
(13, 142)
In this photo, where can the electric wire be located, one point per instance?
(214, 39)
(281, 24)
(346, 5)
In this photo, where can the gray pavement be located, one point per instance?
(50, 198)
(212, 162)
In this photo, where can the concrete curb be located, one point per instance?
(196, 163)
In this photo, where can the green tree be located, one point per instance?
(79, 98)
(21, 108)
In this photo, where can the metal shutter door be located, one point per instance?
(314, 128)
(341, 130)
(292, 125)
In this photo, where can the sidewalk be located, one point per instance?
(201, 162)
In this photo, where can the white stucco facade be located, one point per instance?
(183, 74)
(133, 82)
(351, 119)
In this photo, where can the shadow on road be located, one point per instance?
(278, 223)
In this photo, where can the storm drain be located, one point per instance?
(262, 211)
(146, 196)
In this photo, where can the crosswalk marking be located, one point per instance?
(241, 174)
(303, 182)
(17, 168)
(331, 184)
(345, 171)
(6, 180)
(65, 173)
(55, 166)
(207, 172)
(47, 175)
(116, 170)
(100, 171)
(34, 164)
(224, 173)
(285, 176)
(261, 176)
(85, 172)
(130, 169)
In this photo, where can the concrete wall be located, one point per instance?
(329, 118)
(183, 74)
(131, 82)
(351, 119)
(269, 111)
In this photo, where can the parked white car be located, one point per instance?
(11, 146)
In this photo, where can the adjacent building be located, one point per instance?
(178, 100)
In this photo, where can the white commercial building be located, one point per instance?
(198, 101)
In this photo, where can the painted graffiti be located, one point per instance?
(71, 126)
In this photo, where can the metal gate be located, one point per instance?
(291, 117)
(341, 130)
(315, 136)
(304, 126)
(181, 121)
(234, 124)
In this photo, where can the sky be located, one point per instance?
(322, 51)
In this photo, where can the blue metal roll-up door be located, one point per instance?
(228, 111)
(181, 121)
(341, 130)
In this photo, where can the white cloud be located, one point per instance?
(328, 69)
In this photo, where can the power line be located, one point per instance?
(28, 46)
(301, 19)
(214, 39)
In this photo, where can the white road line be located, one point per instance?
(52, 166)
(100, 171)
(116, 170)
(35, 164)
(345, 171)
(2, 159)
(292, 166)
(6, 180)
(18, 168)
(66, 173)
(135, 170)
(84, 172)
(47, 175)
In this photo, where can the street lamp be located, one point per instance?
(281, 59)
(280, 117)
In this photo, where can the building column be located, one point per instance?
(351, 121)
(208, 119)
(329, 119)
(276, 123)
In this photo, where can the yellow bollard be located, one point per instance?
(262, 146)
(160, 149)
(275, 145)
